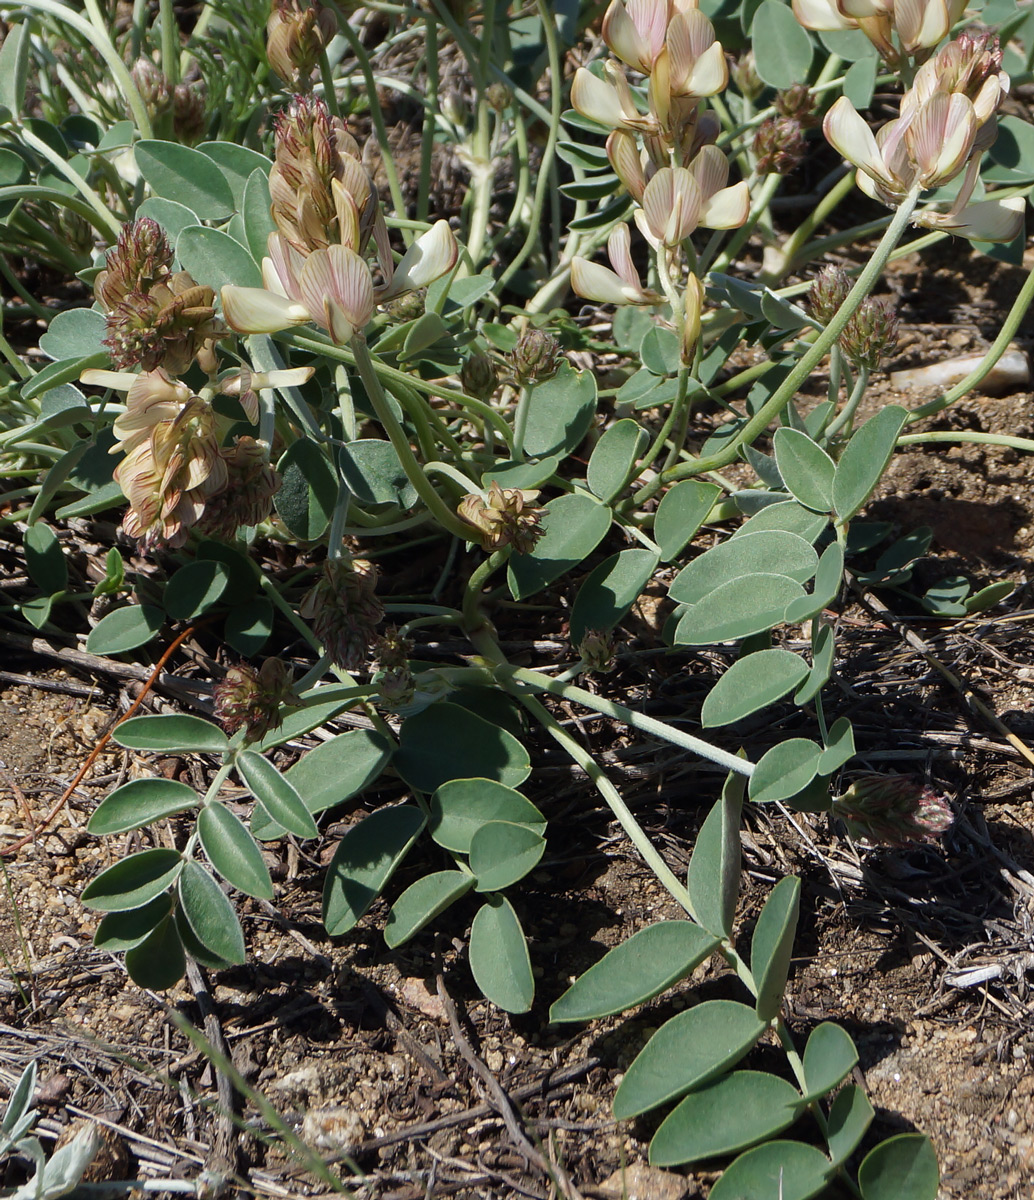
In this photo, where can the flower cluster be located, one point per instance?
(664, 157)
(945, 123)
(175, 473)
(893, 810)
(326, 213)
(872, 330)
(155, 316)
(905, 29)
(185, 101)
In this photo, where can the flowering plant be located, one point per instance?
(301, 370)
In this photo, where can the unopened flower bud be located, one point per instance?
(345, 611)
(745, 75)
(828, 292)
(297, 32)
(498, 96)
(255, 700)
(779, 146)
(189, 110)
(596, 651)
(797, 104)
(893, 810)
(871, 333)
(506, 518)
(153, 87)
(693, 304)
(408, 306)
(478, 376)
(142, 256)
(535, 358)
(247, 498)
(393, 677)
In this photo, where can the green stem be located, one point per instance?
(805, 365)
(758, 206)
(542, 186)
(791, 249)
(397, 436)
(423, 202)
(97, 35)
(473, 618)
(660, 729)
(845, 418)
(997, 348)
(170, 42)
(111, 226)
(520, 421)
(987, 439)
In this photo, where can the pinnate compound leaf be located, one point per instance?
(686, 1052)
(772, 945)
(422, 901)
(714, 866)
(501, 853)
(330, 774)
(125, 629)
(278, 796)
(785, 770)
(463, 806)
(750, 684)
(769, 552)
(680, 514)
(775, 1171)
(172, 735)
(447, 741)
(364, 861)
(134, 881)
(864, 460)
(738, 609)
(233, 852)
(849, 1117)
(180, 173)
(121, 931)
(902, 1166)
(499, 959)
(610, 591)
(210, 914)
(159, 961)
(575, 524)
(643, 966)
(726, 1116)
(140, 802)
(613, 458)
(806, 469)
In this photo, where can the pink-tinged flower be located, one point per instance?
(970, 64)
(985, 221)
(919, 24)
(678, 199)
(696, 63)
(626, 160)
(337, 288)
(169, 476)
(893, 810)
(609, 101)
(622, 285)
(245, 384)
(929, 149)
(635, 31)
(432, 255)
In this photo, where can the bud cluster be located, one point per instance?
(872, 330)
(893, 810)
(186, 101)
(393, 677)
(345, 611)
(297, 33)
(254, 700)
(506, 517)
(154, 316)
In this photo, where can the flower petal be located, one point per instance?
(337, 289)
(431, 256)
(256, 310)
(728, 208)
(593, 281)
(850, 136)
(986, 221)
